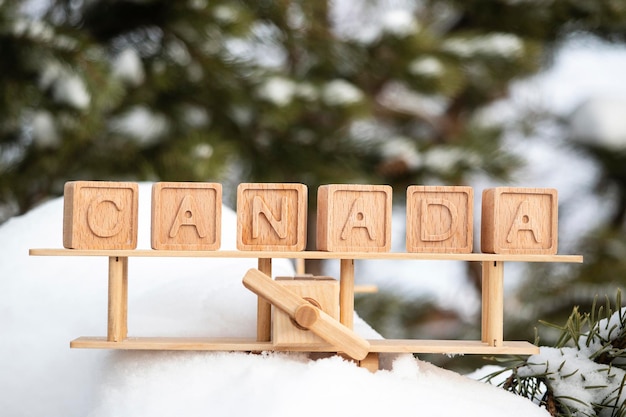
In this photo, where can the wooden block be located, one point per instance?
(306, 315)
(271, 217)
(322, 292)
(371, 362)
(354, 218)
(100, 215)
(519, 221)
(439, 219)
(186, 216)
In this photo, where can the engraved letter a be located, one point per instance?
(357, 218)
(523, 221)
(188, 214)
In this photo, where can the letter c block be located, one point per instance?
(186, 216)
(271, 217)
(519, 221)
(100, 215)
(354, 218)
(439, 219)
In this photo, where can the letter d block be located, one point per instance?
(439, 219)
(354, 218)
(271, 217)
(519, 221)
(100, 215)
(186, 216)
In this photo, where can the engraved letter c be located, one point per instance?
(94, 218)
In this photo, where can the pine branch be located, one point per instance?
(550, 403)
(598, 336)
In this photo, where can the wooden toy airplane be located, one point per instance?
(353, 222)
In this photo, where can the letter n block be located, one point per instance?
(354, 218)
(439, 219)
(100, 215)
(186, 216)
(271, 217)
(519, 221)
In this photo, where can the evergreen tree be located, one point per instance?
(263, 91)
(308, 91)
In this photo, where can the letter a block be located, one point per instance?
(439, 219)
(271, 217)
(186, 216)
(519, 221)
(100, 215)
(354, 218)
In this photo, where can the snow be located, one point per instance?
(281, 91)
(608, 329)
(325, 387)
(505, 45)
(70, 89)
(341, 93)
(141, 124)
(36, 30)
(196, 116)
(583, 68)
(226, 14)
(427, 66)
(66, 87)
(445, 159)
(404, 149)
(47, 301)
(399, 23)
(581, 383)
(178, 52)
(399, 97)
(307, 91)
(202, 151)
(575, 378)
(45, 133)
(367, 22)
(127, 66)
(577, 381)
(278, 90)
(600, 122)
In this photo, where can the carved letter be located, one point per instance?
(451, 208)
(185, 216)
(357, 218)
(280, 226)
(98, 223)
(523, 221)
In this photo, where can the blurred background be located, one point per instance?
(438, 92)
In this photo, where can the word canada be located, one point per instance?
(273, 217)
